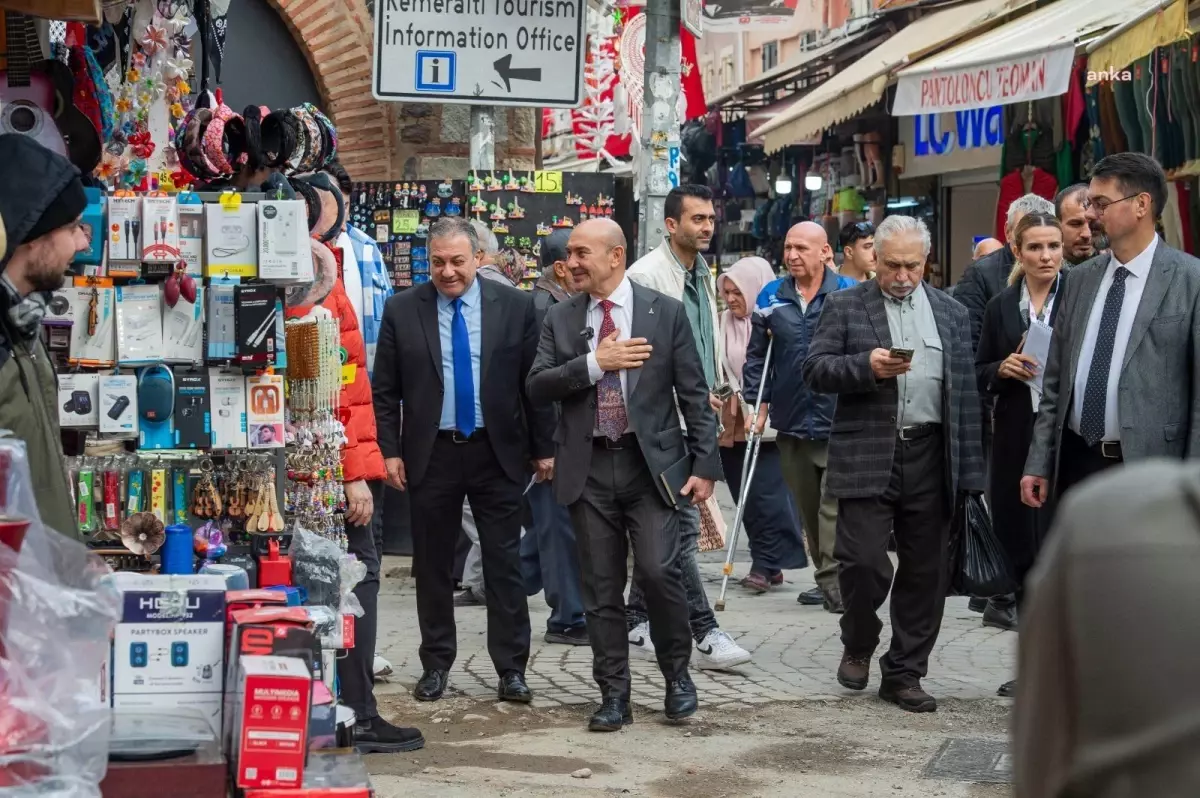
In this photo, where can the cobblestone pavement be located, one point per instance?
(796, 651)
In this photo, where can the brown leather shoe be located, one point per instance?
(910, 699)
(854, 672)
(756, 582)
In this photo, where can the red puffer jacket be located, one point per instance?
(361, 456)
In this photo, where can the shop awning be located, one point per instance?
(1027, 59)
(862, 83)
(1163, 23)
(68, 10)
(778, 76)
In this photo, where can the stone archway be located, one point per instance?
(336, 36)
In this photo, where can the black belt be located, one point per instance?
(918, 431)
(1109, 450)
(454, 436)
(626, 441)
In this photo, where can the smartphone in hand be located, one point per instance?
(903, 354)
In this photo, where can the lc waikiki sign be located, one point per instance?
(1014, 79)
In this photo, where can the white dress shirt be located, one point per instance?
(1135, 285)
(622, 316)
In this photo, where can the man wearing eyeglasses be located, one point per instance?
(858, 251)
(1120, 383)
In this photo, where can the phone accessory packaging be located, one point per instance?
(191, 233)
(183, 330)
(264, 415)
(222, 335)
(124, 234)
(255, 311)
(78, 400)
(93, 314)
(193, 425)
(139, 324)
(118, 404)
(228, 409)
(60, 311)
(160, 229)
(284, 254)
(231, 237)
(93, 226)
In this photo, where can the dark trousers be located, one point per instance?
(916, 505)
(1078, 461)
(620, 495)
(550, 559)
(771, 520)
(356, 670)
(457, 471)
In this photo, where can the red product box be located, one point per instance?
(237, 600)
(271, 721)
(314, 792)
(347, 631)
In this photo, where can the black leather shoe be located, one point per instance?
(377, 736)
(681, 699)
(811, 598)
(1008, 689)
(513, 688)
(431, 686)
(1001, 616)
(611, 716)
(977, 604)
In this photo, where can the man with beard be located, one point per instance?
(677, 269)
(1078, 236)
(41, 199)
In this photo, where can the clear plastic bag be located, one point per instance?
(328, 574)
(56, 620)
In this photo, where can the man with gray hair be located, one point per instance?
(454, 353)
(905, 442)
(988, 276)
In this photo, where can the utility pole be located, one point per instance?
(658, 167)
(483, 138)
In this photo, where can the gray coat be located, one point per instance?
(863, 441)
(560, 374)
(1159, 395)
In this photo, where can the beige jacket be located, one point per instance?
(1107, 705)
(658, 269)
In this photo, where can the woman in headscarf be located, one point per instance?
(771, 521)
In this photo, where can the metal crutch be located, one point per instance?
(753, 443)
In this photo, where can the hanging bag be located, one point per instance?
(978, 563)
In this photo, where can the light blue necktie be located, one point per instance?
(464, 381)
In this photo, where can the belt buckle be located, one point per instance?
(458, 437)
(1115, 449)
(611, 445)
(904, 434)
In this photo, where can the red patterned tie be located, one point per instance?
(610, 402)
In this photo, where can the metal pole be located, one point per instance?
(483, 138)
(658, 167)
(753, 444)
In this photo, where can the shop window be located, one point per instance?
(770, 55)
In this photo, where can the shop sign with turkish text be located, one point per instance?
(1015, 79)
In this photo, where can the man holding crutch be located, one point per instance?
(801, 416)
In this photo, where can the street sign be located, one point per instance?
(691, 12)
(480, 52)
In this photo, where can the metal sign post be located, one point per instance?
(658, 167)
(481, 52)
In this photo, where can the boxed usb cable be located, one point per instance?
(160, 229)
(193, 425)
(254, 312)
(228, 410)
(284, 252)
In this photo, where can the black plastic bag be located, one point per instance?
(978, 563)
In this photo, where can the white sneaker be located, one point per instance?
(381, 667)
(717, 652)
(640, 645)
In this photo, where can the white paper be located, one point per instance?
(1037, 346)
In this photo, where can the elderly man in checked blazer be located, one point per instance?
(906, 440)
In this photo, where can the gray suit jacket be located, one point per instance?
(1158, 392)
(560, 374)
(1108, 635)
(863, 440)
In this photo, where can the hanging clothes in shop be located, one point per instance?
(1012, 187)
(1177, 92)
(1111, 130)
(1172, 223)
(1187, 212)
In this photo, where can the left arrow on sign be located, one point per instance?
(507, 73)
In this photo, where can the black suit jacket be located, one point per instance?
(983, 280)
(673, 371)
(408, 372)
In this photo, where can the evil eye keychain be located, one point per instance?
(433, 208)
(453, 207)
(445, 189)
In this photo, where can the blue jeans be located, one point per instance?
(701, 617)
(550, 559)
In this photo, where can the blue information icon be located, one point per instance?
(436, 70)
